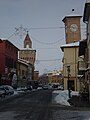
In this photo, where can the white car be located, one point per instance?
(9, 89)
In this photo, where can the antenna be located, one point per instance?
(20, 31)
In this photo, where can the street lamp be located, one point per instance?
(69, 91)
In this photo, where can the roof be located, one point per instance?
(7, 41)
(72, 16)
(70, 45)
(23, 62)
(27, 38)
(27, 49)
(86, 11)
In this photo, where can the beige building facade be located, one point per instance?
(70, 51)
(28, 54)
(24, 70)
(70, 63)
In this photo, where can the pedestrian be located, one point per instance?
(69, 93)
(14, 81)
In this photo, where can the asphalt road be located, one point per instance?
(29, 106)
(37, 105)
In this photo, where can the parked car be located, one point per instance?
(60, 87)
(55, 86)
(2, 92)
(45, 87)
(9, 89)
(29, 87)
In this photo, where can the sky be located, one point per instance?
(43, 21)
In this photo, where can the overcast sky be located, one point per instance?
(46, 15)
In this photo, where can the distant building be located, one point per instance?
(55, 77)
(24, 72)
(36, 75)
(43, 79)
(28, 53)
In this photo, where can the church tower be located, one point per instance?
(28, 53)
(72, 27)
(27, 41)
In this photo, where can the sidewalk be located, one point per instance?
(77, 101)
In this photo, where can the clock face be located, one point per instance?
(73, 27)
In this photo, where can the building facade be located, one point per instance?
(24, 71)
(36, 75)
(8, 59)
(55, 78)
(70, 50)
(70, 63)
(86, 20)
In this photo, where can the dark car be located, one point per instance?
(29, 87)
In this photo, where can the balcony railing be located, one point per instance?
(82, 66)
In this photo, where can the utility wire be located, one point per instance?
(46, 48)
(11, 35)
(45, 28)
(38, 28)
(50, 60)
(55, 42)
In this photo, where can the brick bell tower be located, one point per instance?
(27, 41)
(72, 27)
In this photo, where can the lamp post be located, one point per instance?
(68, 86)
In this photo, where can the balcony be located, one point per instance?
(82, 66)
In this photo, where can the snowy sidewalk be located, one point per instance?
(61, 97)
(76, 101)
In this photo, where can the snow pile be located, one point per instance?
(15, 92)
(62, 96)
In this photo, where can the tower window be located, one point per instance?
(27, 46)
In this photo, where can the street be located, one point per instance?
(38, 105)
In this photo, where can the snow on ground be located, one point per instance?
(62, 96)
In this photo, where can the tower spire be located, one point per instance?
(27, 41)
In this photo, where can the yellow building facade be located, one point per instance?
(70, 63)
(70, 51)
(55, 77)
(24, 70)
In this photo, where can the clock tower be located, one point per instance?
(72, 28)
